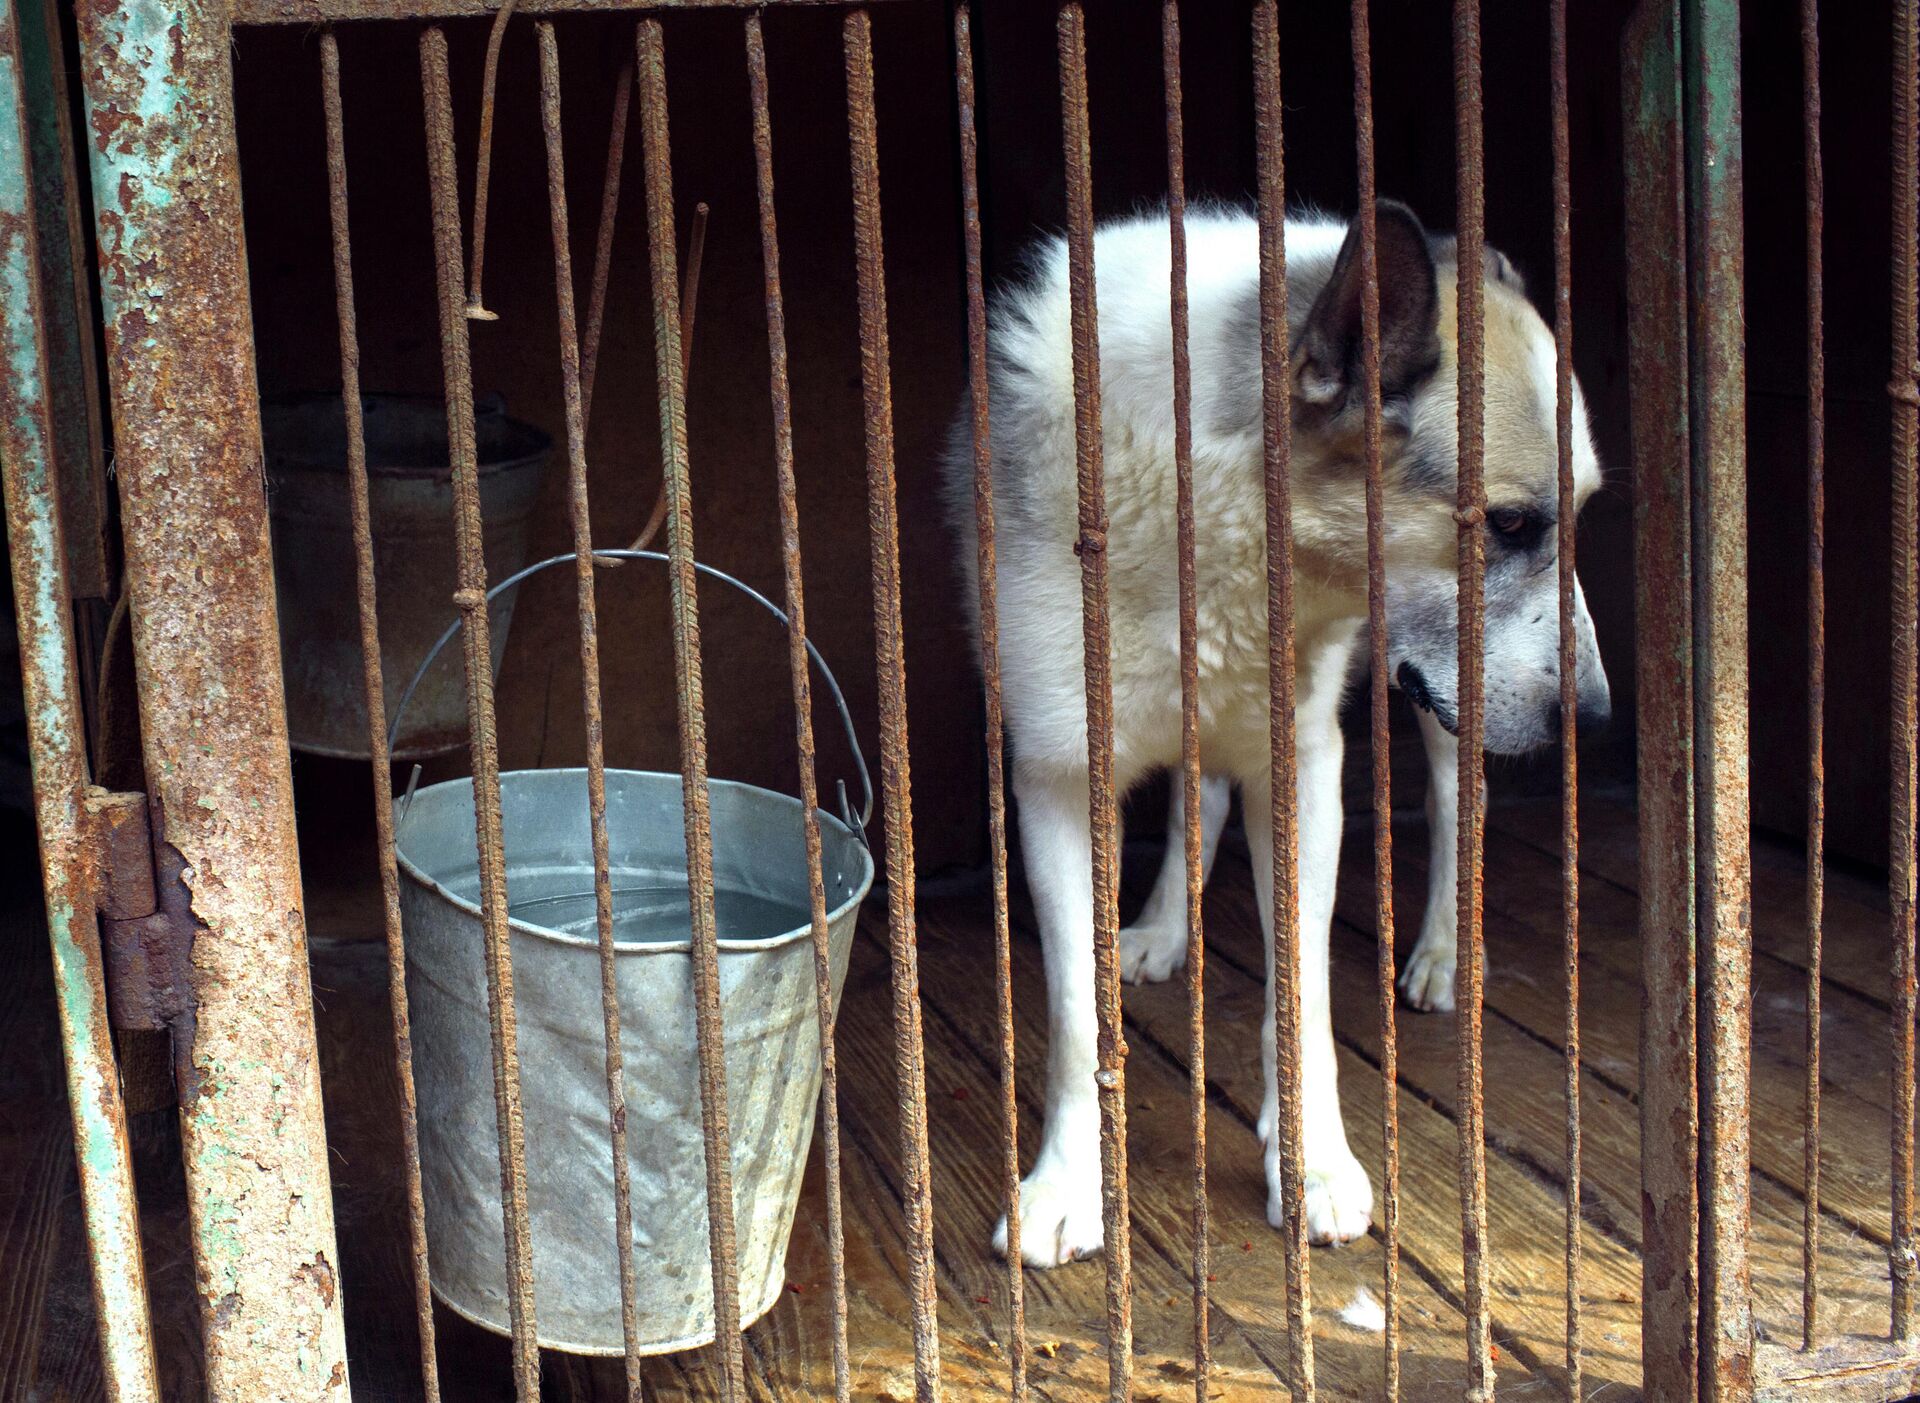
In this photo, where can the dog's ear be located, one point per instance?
(1499, 267)
(1327, 361)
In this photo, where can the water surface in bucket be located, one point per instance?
(647, 907)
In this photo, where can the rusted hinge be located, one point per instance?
(146, 917)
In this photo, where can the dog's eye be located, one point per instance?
(1516, 526)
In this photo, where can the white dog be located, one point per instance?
(1034, 471)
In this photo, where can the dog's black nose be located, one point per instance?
(1590, 719)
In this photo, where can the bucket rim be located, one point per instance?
(281, 460)
(725, 944)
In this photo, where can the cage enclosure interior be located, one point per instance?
(464, 955)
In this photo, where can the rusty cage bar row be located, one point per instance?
(1684, 177)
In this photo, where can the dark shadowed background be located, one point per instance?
(750, 721)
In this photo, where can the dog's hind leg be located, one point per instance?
(1427, 980)
(1060, 1197)
(1339, 1197)
(1155, 945)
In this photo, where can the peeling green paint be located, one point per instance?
(38, 563)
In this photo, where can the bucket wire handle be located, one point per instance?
(857, 823)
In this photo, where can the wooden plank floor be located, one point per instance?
(43, 1298)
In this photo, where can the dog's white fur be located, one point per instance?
(1039, 580)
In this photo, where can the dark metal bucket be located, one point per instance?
(410, 493)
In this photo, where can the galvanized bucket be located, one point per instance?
(768, 1007)
(411, 504)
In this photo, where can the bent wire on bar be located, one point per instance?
(483, 739)
(650, 68)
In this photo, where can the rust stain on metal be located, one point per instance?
(987, 569)
(689, 302)
(172, 270)
(788, 491)
(651, 68)
(1110, 1078)
(69, 832)
(1663, 592)
(150, 953)
(375, 691)
(1276, 403)
(1471, 504)
(1190, 772)
(1722, 836)
(1816, 651)
(1905, 706)
(484, 741)
(250, 12)
(1382, 739)
(896, 787)
(576, 418)
(1569, 666)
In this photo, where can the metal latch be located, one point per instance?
(146, 917)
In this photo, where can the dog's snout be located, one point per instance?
(1589, 718)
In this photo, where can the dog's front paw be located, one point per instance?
(1427, 981)
(1150, 953)
(1059, 1218)
(1339, 1202)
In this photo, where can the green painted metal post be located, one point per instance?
(1716, 265)
(186, 419)
(57, 742)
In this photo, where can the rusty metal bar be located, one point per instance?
(483, 163)
(1816, 649)
(1190, 773)
(172, 270)
(1711, 35)
(375, 688)
(1276, 443)
(1569, 663)
(250, 12)
(1470, 514)
(56, 739)
(650, 65)
(1380, 729)
(603, 239)
(987, 569)
(802, 687)
(1091, 547)
(68, 333)
(1663, 614)
(883, 525)
(574, 401)
(484, 742)
(1904, 386)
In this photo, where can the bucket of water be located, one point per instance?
(768, 1014)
